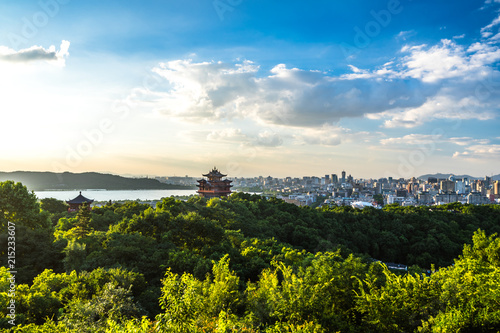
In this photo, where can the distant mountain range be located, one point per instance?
(447, 175)
(38, 181)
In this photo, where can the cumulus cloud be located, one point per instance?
(328, 135)
(464, 82)
(450, 107)
(422, 83)
(284, 96)
(228, 134)
(432, 64)
(264, 138)
(481, 152)
(325, 136)
(268, 138)
(447, 60)
(36, 53)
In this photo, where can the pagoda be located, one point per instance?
(80, 200)
(214, 186)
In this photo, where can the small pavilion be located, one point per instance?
(214, 186)
(74, 204)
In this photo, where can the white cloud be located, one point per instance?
(421, 84)
(480, 152)
(404, 35)
(325, 136)
(211, 91)
(437, 63)
(227, 134)
(36, 53)
(328, 135)
(411, 139)
(264, 138)
(438, 107)
(486, 31)
(466, 141)
(442, 61)
(426, 139)
(268, 139)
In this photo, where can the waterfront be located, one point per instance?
(118, 195)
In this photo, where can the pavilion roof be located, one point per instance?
(80, 199)
(214, 173)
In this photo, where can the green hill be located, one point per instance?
(37, 181)
(447, 175)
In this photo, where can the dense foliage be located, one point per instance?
(249, 264)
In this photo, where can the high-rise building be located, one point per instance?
(401, 193)
(335, 178)
(496, 187)
(460, 187)
(447, 186)
(412, 187)
(343, 177)
(487, 181)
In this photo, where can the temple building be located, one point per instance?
(74, 204)
(214, 186)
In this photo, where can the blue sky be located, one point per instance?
(376, 88)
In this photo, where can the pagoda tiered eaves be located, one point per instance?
(214, 187)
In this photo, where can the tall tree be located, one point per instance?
(53, 205)
(18, 205)
(82, 226)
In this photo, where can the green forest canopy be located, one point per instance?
(247, 264)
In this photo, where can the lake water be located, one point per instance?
(104, 195)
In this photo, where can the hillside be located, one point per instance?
(247, 264)
(447, 175)
(37, 181)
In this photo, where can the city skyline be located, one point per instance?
(379, 89)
